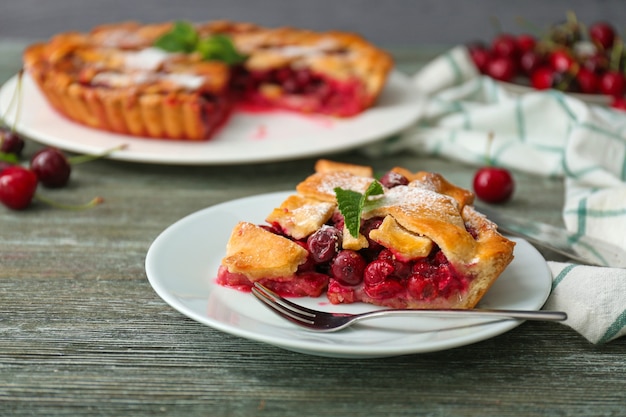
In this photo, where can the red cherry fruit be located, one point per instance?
(597, 62)
(526, 42)
(10, 142)
(561, 60)
(602, 34)
(587, 81)
(501, 68)
(530, 61)
(51, 167)
(17, 187)
(480, 56)
(612, 83)
(4, 165)
(493, 185)
(504, 45)
(542, 78)
(619, 103)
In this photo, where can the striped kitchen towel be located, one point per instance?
(546, 133)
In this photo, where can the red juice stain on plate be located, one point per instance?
(260, 132)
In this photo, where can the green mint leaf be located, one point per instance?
(351, 205)
(181, 38)
(219, 48)
(375, 188)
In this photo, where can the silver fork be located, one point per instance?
(330, 322)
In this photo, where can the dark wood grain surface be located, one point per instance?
(83, 333)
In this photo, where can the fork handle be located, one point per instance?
(478, 313)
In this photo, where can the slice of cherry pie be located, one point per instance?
(181, 81)
(418, 243)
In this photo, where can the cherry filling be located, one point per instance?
(302, 90)
(215, 112)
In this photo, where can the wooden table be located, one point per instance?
(83, 332)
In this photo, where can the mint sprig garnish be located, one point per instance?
(185, 38)
(352, 203)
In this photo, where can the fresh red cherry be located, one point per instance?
(619, 103)
(542, 78)
(501, 68)
(10, 142)
(51, 167)
(530, 61)
(603, 34)
(526, 42)
(612, 83)
(597, 62)
(505, 45)
(17, 187)
(587, 81)
(493, 185)
(561, 60)
(480, 56)
(4, 165)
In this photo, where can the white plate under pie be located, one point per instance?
(246, 138)
(182, 264)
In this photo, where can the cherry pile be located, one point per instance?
(49, 167)
(569, 56)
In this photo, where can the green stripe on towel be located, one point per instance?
(614, 328)
(557, 280)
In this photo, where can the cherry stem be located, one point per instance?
(571, 17)
(94, 202)
(9, 158)
(530, 27)
(616, 55)
(17, 93)
(488, 159)
(79, 159)
(496, 24)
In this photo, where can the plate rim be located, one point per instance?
(487, 330)
(409, 106)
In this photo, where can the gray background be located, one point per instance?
(389, 23)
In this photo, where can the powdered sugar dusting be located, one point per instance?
(118, 79)
(343, 180)
(146, 59)
(312, 211)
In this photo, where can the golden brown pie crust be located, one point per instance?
(112, 79)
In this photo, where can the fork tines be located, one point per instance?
(291, 311)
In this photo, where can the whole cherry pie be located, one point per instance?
(408, 240)
(179, 80)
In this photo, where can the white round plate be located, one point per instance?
(247, 137)
(182, 265)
